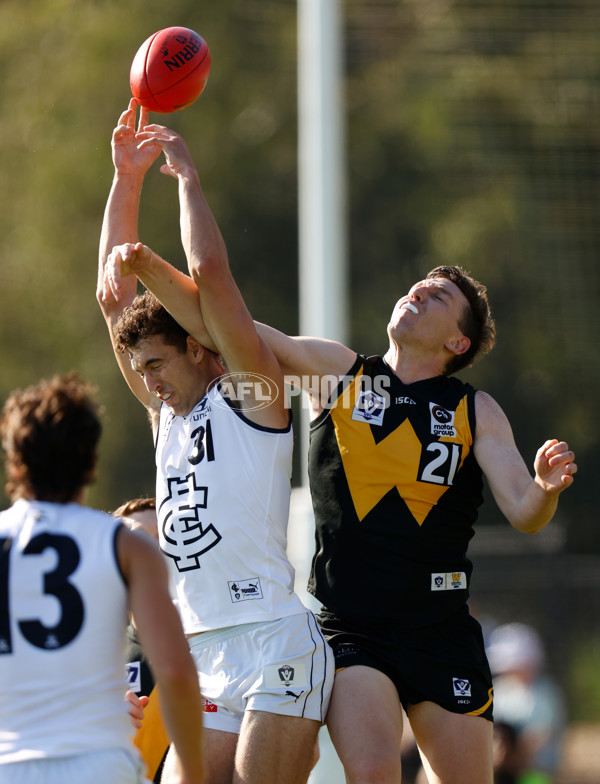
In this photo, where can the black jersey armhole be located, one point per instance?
(471, 392)
(335, 395)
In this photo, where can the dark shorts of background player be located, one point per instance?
(444, 663)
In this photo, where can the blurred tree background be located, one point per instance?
(473, 138)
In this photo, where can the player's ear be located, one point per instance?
(196, 349)
(458, 345)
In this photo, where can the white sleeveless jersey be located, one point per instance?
(223, 492)
(63, 611)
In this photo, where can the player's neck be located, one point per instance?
(411, 366)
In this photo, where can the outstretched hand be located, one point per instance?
(177, 156)
(555, 466)
(122, 261)
(129, 156)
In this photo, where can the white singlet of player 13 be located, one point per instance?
(223, 492)
(62, 627)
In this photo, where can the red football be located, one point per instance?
(169, 70)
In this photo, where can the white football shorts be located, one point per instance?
(284, 667)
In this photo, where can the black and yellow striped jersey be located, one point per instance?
(395, 488)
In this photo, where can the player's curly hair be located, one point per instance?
(477, 323)
(144, 318)
(50, 432)
(135, 505)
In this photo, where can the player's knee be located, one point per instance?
(381, 768)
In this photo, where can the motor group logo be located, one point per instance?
(442, 421)
(249, 391)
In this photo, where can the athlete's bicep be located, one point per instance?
(306, 360)
(497, 454)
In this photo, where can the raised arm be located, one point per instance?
(223, 309)
(528, 502)
(120, 224)
(305, 362)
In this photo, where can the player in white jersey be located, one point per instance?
(68, 575)
(229, 573)
(224, 448)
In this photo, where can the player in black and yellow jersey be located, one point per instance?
(396, 460)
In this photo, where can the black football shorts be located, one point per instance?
(444, 663)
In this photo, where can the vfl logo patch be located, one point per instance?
(242, 590)
(448, 581)
(462, 687)
(369, 408)
(286, 674)
(292, 673)
(442, 421)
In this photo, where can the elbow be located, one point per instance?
(529, 526)
(99, 299)
(196, 273)
(207, 263)
(203, 268)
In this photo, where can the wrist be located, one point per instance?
(188, 175)
(129, 176)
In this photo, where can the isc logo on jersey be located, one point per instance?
(442, 421)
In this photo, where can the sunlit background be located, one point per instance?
(472, 137)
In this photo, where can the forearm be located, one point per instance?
(200, 235)
(179, 295)
(534, 509)
(528, 503)
(120, 224)
(181, 710)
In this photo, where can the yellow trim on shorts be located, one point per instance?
(485, 707)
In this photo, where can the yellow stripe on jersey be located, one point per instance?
(372, 469)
